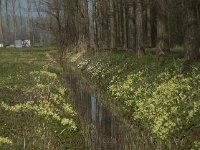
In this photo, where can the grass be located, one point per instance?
(13, 61)
(26, 55)
(163, 98)
(34, 109)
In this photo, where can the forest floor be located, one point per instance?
(34, 109)
(164, 97)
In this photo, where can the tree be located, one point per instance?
(91, 23)
(21, 19)
(139, 28)
(149, 28)
(112, 25)
(191, 43)
(124, 20)
(29, 4)
(162, 28)
(14, 19)
(1, 30)
(131, 26)
(7, 23)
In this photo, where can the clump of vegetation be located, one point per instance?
(161, 97)
(34, 110)
(196, 145)
(5, 142)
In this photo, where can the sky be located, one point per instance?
(21, 5)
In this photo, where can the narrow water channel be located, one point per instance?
(103, 131)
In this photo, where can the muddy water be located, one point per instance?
(102, 130)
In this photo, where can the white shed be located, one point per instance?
(18, 43)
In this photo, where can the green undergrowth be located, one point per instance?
(164, 98)
(34, 104)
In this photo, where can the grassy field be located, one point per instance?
(34, 109)
(19, 60)
(164, 97)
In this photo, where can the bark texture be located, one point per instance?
(139, 28)
(162, 28)
(191, 44)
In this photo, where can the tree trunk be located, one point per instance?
(21, 20)
(112, 26)
(98, 24)
(91, 23)
(124, 26)
(1, 30)
(131, 26)
(84, 22)
(7, 24)
(117, 23)
(162, 28)
(149, 40)
(154, 23)
(120, 15)
(105, 24)
(139, 28)
(191, 43)
(29, 4)
(14, 20)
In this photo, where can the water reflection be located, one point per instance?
(108, 133)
